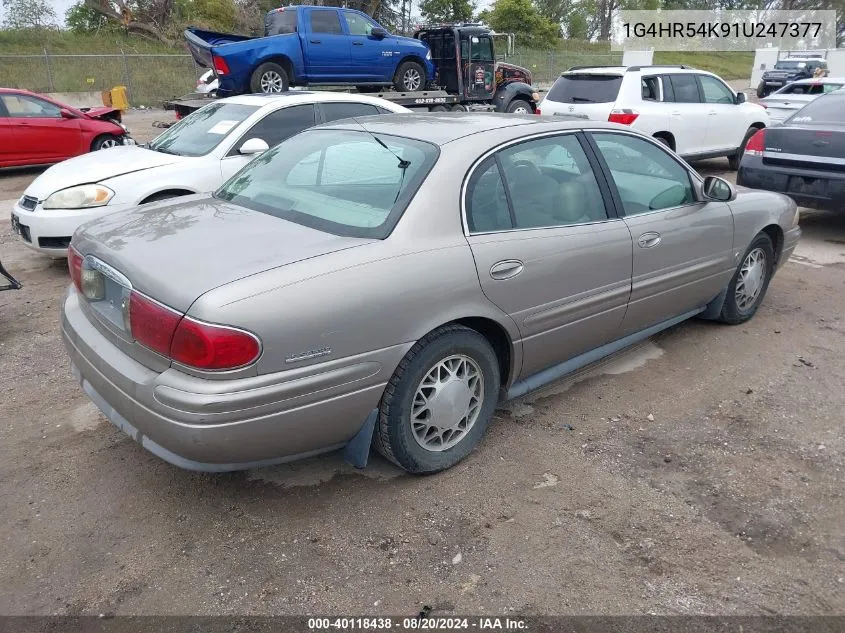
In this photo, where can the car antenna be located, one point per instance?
(403, 164)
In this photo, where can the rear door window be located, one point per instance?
(684, 88)
(585, 88)
(280, 22)
(828, 110)
(335, 111)
(325, 21)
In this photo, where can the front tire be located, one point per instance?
(750, 281)
(269, 78)
(409, 77)
(519, 106)
(761, 90)
(439, 402)
(735, 159)
(105, 141)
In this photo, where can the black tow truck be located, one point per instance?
(468, 77)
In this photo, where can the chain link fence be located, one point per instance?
(151, 79)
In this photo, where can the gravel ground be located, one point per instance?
(700, 472)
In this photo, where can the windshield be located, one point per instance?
(341, 182)
(828, 110)
(201, 131)
(571, 88)
(789, 65)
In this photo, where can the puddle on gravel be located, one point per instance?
(85, 417)
(318, 470)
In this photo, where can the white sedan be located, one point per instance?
(196, 155)
(792, 97)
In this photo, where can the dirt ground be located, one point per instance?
(700, 472)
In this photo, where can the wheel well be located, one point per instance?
(669, 138)
(758, 125)
(497, 337)
(174, 192)
(775, 234)
(282, 61)
(414, 58)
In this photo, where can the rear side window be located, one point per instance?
(684, 88)
(280, 22)
(325, 21)
(823, 111)
(335, 111)
(584, 88)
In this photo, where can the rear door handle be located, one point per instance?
(676, 113)
(506, 269)
(357, 43)
(712, 113)
(649, 240)
(315, 41)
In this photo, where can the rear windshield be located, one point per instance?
(574, 88)
(789, 65)
(827, 110)
(201, 131)
(279, 22)
(342, 182)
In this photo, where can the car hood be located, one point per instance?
(98, 166)
(103, 113)
(177, 250)
(409, 41)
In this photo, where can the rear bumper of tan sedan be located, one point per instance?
(219, 425)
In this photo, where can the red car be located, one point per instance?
(36, 130)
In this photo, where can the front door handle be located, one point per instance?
(649, 240)
(315, 41)
(506, 269)
(357, 43)
(676, 113)
(712, 113)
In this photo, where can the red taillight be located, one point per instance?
(151, 323)
(537, 112)
(220, 65)
(207, 346)
(187, 341)
(625, 117)
(756, 144)
(178, 115)
(74, 264)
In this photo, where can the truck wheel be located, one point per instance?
(409, 77)
(459, 107)
(761, 90)
(519, 106)
(439, 108)
(269, 78)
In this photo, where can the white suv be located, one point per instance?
(693, 112)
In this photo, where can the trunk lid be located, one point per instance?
(177, 250)
(812, 147)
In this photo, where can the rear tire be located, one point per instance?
(761, 90)
(439, 108)
(409, 77)
(439, 402)
(269, 78)
(459, 107)
(750, 281)
(664, 141)
(105, 141)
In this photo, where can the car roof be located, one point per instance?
(819, 80)
(294, 97)
(444, 127)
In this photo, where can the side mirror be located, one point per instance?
(740, 98)
(66, 114)
(378, 33)
(254, 146)
(718, 189)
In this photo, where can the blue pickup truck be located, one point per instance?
(305, 45)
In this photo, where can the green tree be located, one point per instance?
(522, 18)
(447, 10)
(82, 19)
(577, 25)
(218, 14)
(29, 14)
